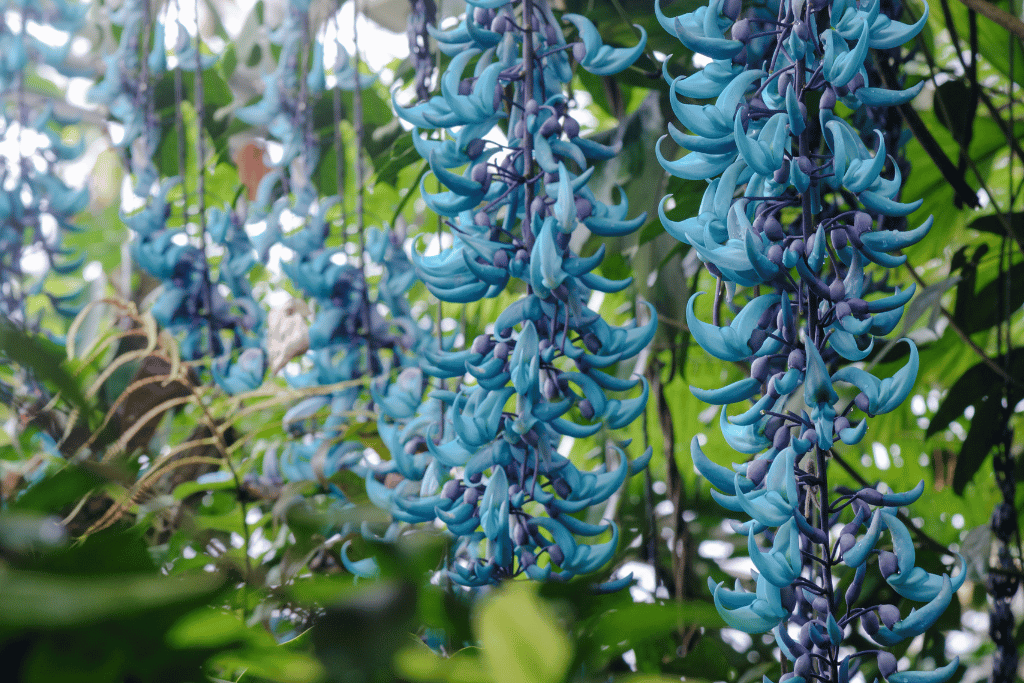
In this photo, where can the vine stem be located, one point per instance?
(200, 108)
(528, 66)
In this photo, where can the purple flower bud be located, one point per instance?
(781, 439)
(741, 30)
(820, 605)
(806, 165)
(592, 343)
(781, 175)
(579, 53)
(583, 208)
(471, 496)
(861, 224)
(480, 173)
(475, 148)
(828, 99)
(802, 666)
(550, 127)
(775, 254)
(501, 350)
(888, 614)
(551, 34)
(586, 409)
(846, 541)
(759, 369)
(796, 359)
(451, 489)
(805, 636)
(839, 238)
(773, 228)
(556, 554)
(870, 496)
(500, 24)
(571, 127)
(757, 339)
(501, 259)
(531, 107)
(836, 290)
(870, 622)
(886, 663)
(802, 30)
(527, 559)
(842, 310)
(856, 82)
(550, 390)
(538, 206)
(756, 470)
(810, 435)
(787, 596)
(858, 307)
(887, 564)
(482, 344)
(561, 487)
(863, 402)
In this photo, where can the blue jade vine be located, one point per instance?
(483, 460)
(37, 207)
(795, 204)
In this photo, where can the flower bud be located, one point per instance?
(550, 127)
(480, 173)
(888, 614)
(741, 30)
(846, 541)
(556, 554)
(570, 127)
(759, 368)
(472, 494)
(501, 350)
(756, 470)
(870, 622)
(796, 359)
(579, 52)
(836, 290)
(452, 489)
(583, 208)
(886, 663)
(501, 259)
(887, 564)
(586, 409)
(482, 344)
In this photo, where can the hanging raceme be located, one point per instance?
(36, 206)
(797, 203)
(484, 459)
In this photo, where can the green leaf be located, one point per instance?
(417, 662)
(521, 637)
(44, 600)
(994, 224)
(44, 359)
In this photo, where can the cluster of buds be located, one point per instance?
(794, 204)
(484, 459)
(362, 327)
(189, 301)
(36, 205)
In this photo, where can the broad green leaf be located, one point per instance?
(522, 640)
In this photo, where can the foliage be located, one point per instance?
(196, 468)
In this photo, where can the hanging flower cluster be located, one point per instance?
(36, 206)
(794, 204)
(189, 300)
(484, 459)
(359, 330)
